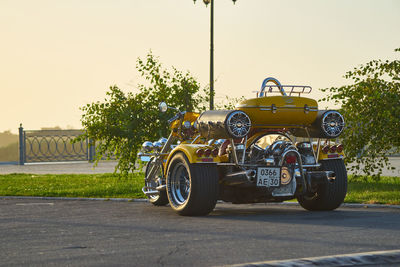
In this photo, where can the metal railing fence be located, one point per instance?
(53, 146)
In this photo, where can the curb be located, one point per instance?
(349, 205)
(357, 259)
(344, 205)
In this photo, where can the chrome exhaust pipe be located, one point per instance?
(316, 178)
(251, 175)
(161, 187)
(240, 177)
(149, 191)
(330, 176)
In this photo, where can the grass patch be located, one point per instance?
(364, 190)
(72, 185)
(368, 191)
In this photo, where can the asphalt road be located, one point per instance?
(109, 233)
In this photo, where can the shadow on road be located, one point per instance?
(352, 218)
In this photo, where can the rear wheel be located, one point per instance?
(161, 199)
(192, 189)
(329, 196)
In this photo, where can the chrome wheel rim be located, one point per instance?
(154, 183)
(180, 184)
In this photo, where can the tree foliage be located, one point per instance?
(371, 107)
(123, 121)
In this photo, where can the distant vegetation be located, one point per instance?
(7, 138)
(8, 146)
(9, 153)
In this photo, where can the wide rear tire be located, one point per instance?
(329, 196)
(192, 189)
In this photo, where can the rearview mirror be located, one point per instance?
(163, 107)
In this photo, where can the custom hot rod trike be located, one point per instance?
(271, 148)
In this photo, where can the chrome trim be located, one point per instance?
(244, 150)
(286, 106)
(318, 148)
(312, 165)
(195, 139)
(280, 125)
(269, 161)
(311, 142)
(235, 159)
(274, 108)
(339, 157)
(153, 154)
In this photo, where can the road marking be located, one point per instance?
(356, 259)
(34, 204)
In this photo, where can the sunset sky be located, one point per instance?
(58, 55)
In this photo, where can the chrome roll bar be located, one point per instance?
(275, 81)
(290, 89)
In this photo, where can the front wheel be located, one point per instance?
(192, 189)
(329, 196)
(160, 199)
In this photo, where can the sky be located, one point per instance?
(57, 55)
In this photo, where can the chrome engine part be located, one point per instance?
(307, 155)
(147, 146)
(288, 189)
(283, 154)
(223, 124)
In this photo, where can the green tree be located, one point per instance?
(123, 121)
(371, 108)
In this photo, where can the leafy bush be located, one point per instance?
(125, 120)
(371, 107)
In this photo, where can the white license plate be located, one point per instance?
(269, 177)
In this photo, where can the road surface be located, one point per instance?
(108, 233)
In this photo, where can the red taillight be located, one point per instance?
(325, 149)
(333, 149)
(207, 152)
(290, 159)
(339, 148)
(199, 152)
(215, 152)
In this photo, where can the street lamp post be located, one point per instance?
(211, 2)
